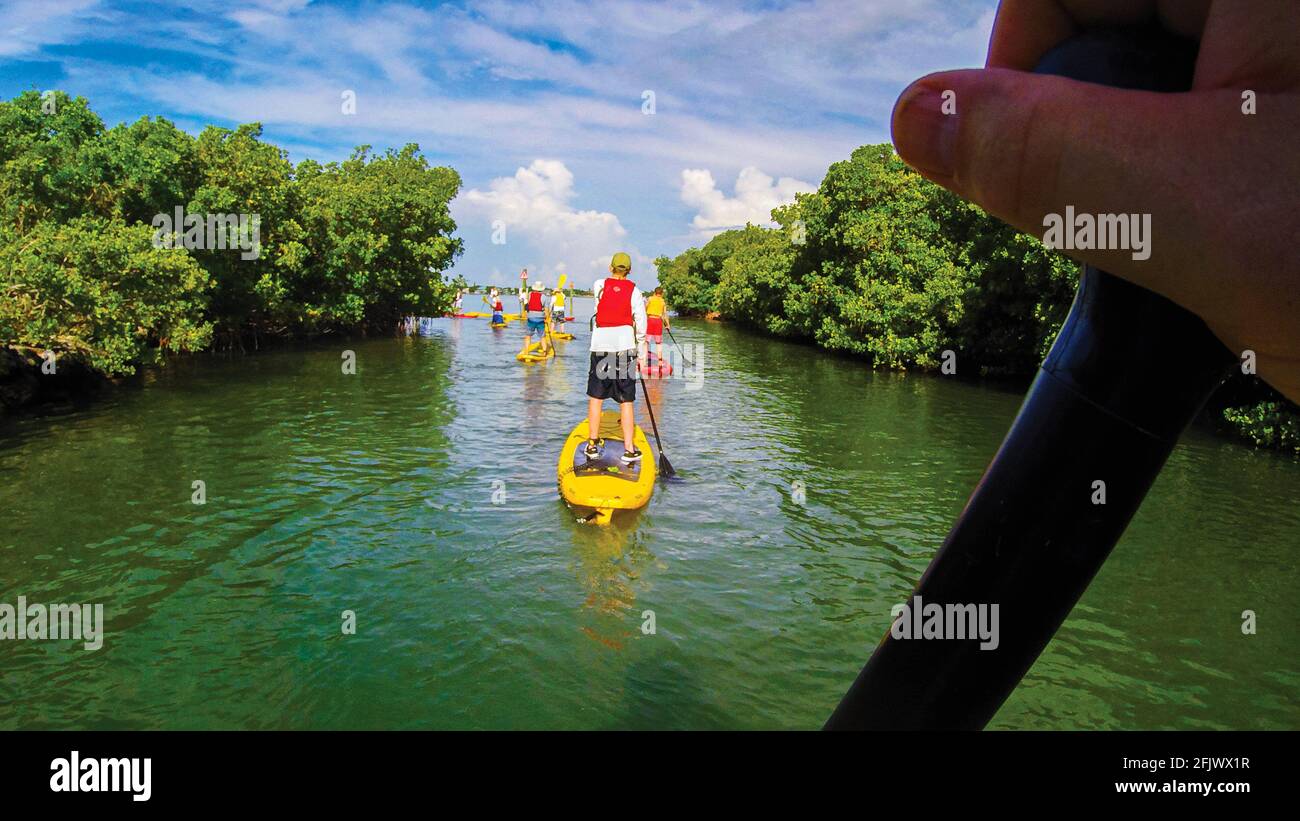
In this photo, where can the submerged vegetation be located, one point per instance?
(881, 263)
(87, 272)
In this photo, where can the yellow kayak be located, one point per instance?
(560, 335)
(605, 484)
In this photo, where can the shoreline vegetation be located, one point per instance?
(97, 281)
(883, 265)
(878, 263)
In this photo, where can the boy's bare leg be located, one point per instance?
(593, 418)
(627, 414)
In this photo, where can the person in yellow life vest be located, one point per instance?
(656, 313)
(557, 311)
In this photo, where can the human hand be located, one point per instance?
(1222, 186)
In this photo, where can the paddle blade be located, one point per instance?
(665, 467)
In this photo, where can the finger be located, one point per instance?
(1024, 146)
(1256, 50)
(1025, 30)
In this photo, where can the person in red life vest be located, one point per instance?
(498, 310)
(535, 311)
(617, 346)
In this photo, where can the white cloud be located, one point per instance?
(27, 25)
(536, 206)
(756, 194)
(482, 87)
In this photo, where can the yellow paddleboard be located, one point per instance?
(563, 336)
(533, 353)
(604, 484)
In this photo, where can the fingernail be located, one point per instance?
(924, 135)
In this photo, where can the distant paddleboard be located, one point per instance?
(533, 353)
(655, 368)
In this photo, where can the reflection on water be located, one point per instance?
(420, 494)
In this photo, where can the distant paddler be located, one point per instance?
(523, 289)
(498, 310)
(557, 306)
(558, 317)
(656, 312)
(535, 312)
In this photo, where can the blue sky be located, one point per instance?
(540, 106)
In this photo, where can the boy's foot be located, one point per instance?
(632, 455)
(593, 448)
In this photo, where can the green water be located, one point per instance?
(374, 493)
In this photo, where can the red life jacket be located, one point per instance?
(615, 306)
(535, 301)
(497, 306)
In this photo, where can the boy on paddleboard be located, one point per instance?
(557, 311)
(656, 310)
(616, 340)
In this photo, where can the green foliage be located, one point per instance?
(98, 288)
(149, 167)
(45, 172)
(881, 263)
(692, 277)
(885, 261)
(753, 280)
(1271, 424)
(343, 246)
(1021, 292)
(374, 228)
(241, 174)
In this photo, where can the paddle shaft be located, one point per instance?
(665, 467)
(679, 346)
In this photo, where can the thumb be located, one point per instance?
(1024, 146)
